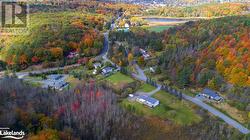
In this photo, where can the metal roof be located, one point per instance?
(211, 93)
(54, 76)
(149, 99)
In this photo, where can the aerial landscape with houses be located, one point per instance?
(156, 70)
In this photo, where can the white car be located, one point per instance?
(131, 95)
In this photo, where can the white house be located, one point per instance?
(149, 101)
(126, 25)
(152, 69)
(107, 70)
(97, 65)
(144, 54)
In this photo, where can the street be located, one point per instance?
(141, 76)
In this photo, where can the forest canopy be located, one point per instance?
(205, 10)
(53, 36)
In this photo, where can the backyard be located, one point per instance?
(170, 108)
(146, 88)
(119, 78)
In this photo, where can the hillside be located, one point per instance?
(52, 36)
(207, 53)
(207, 50)
(205, 10)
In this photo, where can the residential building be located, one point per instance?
(149, 101)
(72, 55)
(107, 70)
(55, 81)
(144, 54)
(126, 25)
(210, 94)
(97, 65)
(54, 77)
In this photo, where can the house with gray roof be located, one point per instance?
(56, 81)
(107, 70)
(148, 101)
(210, 94)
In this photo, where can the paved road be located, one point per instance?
(106, 48)
(217, 113)
(20, 75)
(149, 93)
(102, 55)
(141, 76)
(104, 52)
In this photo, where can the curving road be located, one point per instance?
(149, 93)
(102, 55)
(217, 113)
(141, 76)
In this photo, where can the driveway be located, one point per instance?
(217, 113)
(141, 76)
(149, 93)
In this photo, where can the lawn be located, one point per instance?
(73, 82)
(146, 88)
(33, 80)
(170, 108)
(119, 78)
(159, 28)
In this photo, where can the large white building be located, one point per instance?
(146, 100)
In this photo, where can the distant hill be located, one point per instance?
(209, 52)
(52, 37)
(177, 2)
(204, 10)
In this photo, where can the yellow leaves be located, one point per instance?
(248, 81)
(56, 52)
(120, 63)
(211, 84)
(77, 91)
(130, 57)
(239, 78)
(23, 59)
(78, 24)
(233, 57)
(88, 40)
(73, 45)
(122, 23)
(220, 67)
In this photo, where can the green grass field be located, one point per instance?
(119, 78)
(159, 28)
(170, 108)
(146, 88)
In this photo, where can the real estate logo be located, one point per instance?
(6, 133)
(14, 18)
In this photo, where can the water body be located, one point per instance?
(166, 20)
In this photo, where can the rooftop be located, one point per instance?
(149, 99)
(211, 93)
(54, 76)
